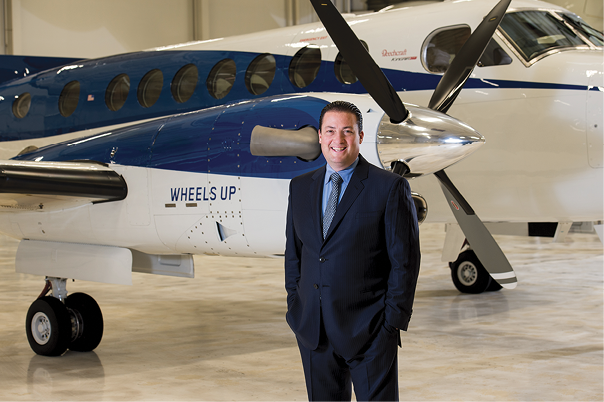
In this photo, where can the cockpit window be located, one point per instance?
(494, 55)
(441, 47)
(584, 29)
(534, 33)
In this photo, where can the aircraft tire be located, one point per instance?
(87, 322)
(48, 326)
(468, 274)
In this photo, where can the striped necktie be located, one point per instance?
(332, 203)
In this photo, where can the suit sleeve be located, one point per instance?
(292, 253)
(402, 239)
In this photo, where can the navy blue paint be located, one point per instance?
(14, 67)
(45, 87)
(215, 141)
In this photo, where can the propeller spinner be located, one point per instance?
(381, 90)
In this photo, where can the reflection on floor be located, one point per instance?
(222, 335)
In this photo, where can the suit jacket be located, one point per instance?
(363, 275)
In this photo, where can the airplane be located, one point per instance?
(145, 197)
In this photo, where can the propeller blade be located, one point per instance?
(484, 245)
(465, 60)
(360, 62)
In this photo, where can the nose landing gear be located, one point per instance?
(56, 323)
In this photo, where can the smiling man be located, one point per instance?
(351, 266)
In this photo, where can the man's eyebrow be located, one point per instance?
(327, 126)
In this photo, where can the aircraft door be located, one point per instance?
(594, 120)
(179, 179)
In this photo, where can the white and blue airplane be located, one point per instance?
(206, 168)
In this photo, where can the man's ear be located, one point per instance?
(319, 136)
(361, 136)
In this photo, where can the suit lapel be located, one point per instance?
(355, 187)
(316, 199)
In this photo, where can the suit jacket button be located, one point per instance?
(321, 259)
(316, 286)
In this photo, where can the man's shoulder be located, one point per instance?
(383, 176)
(307, 177)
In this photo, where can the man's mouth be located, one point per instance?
(338, 149)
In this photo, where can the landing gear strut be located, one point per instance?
(470, 276)
(58, 322)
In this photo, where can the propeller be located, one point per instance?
(360, 61)
(381, 90)
(465, 60)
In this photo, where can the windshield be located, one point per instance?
(534, 33)
(590, 33)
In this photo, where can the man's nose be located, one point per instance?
(340, 135)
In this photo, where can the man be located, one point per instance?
(351, 266)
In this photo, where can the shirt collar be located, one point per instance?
(345, 174)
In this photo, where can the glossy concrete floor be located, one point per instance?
(223, 336)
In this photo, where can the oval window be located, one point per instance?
(441, 46)
(342, 70)
(149, 88)
(260, 74)
(21, 105)
(68, 100)
(304, 66)
(184, 83)
(221, 78)
(117, 92)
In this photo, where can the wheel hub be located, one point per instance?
(77, 324)
(41, 328)
(467, 273)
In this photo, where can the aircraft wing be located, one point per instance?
(48, 186)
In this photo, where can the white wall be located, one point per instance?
(95, 28)
(89, 28)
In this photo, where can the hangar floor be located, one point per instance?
(222, 335)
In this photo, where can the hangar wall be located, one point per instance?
(92, 28)
(95, 28)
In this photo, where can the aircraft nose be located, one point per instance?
(427, 141)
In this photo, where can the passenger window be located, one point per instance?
(221, 78)
(68, 100)
(21, 105)
(184, 83)
(441, 47)
(117, 92)
(260, 74)
(494, 55)
(342, 70)
(304, 66)
(535, 33)
(150, 87)
(590, 33)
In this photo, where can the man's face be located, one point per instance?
(340, 138)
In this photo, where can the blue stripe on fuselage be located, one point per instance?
(44, 119)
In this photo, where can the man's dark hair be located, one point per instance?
(343, 106)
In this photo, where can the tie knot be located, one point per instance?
(336, 179)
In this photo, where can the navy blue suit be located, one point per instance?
(361, 279)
